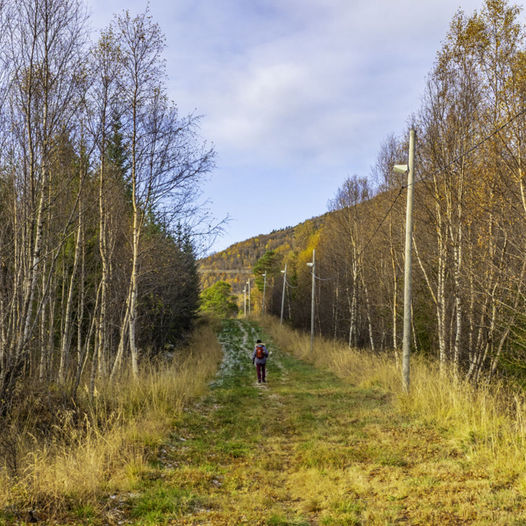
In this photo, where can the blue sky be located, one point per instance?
(296, 95)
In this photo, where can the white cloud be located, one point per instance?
(331, 73)
(297, 90)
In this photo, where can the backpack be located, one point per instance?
(260, 351)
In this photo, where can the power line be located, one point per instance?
(291, 286)
(322, 279)
(382, 221)
(223, 271)
(400, 190)
(439, 170)
(474, 147)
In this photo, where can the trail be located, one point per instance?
(309, 449)
(250, 455)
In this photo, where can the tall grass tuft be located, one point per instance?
(105, 449)
(487, 422)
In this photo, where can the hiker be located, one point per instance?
(259, 358)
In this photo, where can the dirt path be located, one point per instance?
(308, 449)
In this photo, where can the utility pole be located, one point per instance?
(264, 290)
(284, 272)
(406, 346)
(406, 338)
(245, 301)
(313, 267)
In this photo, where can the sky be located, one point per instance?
(295, 95)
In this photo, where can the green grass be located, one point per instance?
(273, 454)
(86, 512)
(310, 448)
(88, 470)
(161, 503)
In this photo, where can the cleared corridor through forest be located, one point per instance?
(308, 449)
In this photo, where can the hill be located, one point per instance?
(234, 264)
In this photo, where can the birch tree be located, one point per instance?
(166, 161)
(45, 54)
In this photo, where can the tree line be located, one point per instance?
(469, 242)
(99, 176)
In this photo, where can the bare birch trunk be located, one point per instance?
(395, 291)
(68, 318)
(368, 311)
(353, 307)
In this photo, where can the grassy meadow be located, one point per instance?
(73, 474)
(332, 442)
(332, 439)
(477, 434)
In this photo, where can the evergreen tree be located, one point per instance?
(219, 300)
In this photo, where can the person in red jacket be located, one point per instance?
(259, 358)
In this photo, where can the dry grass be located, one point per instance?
(104, 453)
(311, 448)
(487, 422)
(308, 448)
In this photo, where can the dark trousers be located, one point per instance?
(260, 367)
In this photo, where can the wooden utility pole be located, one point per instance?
(406, 342)
(313, 268)
(245, 301)
(283, 294)
(264, 290)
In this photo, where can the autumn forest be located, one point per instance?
(470, 206)
(127, 393)
(98, 178)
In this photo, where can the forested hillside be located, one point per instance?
(235, 264)
(469, 282)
